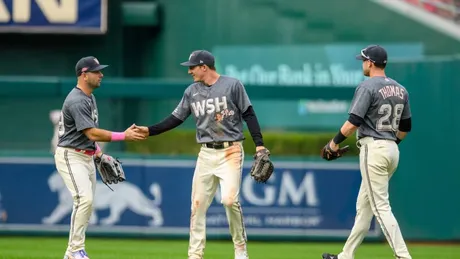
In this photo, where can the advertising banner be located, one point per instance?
(53, 16)
(302, 199)
(321, 65)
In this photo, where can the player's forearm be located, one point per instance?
(348, 129)
(102, 135)
(167, 124)
(253, 125)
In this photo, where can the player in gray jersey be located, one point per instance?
(380, 111)
(218, 104)
(78, 133)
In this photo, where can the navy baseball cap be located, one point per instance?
(375, 53)
(198, 58)
(88, 64)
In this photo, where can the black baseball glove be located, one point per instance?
(328, 154)
(110, 169)
(262, 168)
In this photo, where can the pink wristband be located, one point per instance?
(118, 136)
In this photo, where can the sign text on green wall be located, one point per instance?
(301, 65)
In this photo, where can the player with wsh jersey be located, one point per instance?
(219, 105)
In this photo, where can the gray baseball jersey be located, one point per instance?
(382, 103)
(217, 109)
(78, 112)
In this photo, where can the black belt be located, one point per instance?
(218, 145)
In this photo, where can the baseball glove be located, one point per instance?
(110, 169)
(328, 154)
(262, 168)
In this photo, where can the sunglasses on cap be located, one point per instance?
(366, 57)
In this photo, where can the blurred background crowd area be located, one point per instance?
(448, 9)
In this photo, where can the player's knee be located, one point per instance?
(84, 200)
(196, 207)
(228, 201)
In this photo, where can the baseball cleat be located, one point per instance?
(330, 256)
(242, 254)
(81, 254)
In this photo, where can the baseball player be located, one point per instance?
(219, 104)
(78, 133)
(380, 111)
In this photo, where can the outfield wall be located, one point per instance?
(313, 200)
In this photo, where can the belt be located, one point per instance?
(86, 152)
(366, 140)
(218, 145)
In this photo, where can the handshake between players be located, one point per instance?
(136, 133)
(139, 132)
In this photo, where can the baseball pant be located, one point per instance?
(214, 167)
(79, 174)
(378, 161)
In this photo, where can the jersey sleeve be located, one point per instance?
(361, 101)
(182, 110)
(241, 97)
(81, 113)
(406, 113)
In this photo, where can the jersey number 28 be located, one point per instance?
(388, 122)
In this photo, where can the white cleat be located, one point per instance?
(241, 254)
(76, 255)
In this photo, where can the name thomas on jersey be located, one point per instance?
(392, 90)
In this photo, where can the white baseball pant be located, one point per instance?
(79, 174)
(224, 167)
(378, 161)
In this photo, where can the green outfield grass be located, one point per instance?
(97, 248)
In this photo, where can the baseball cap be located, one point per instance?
(88, 64)
(199, 57)
(375, 53)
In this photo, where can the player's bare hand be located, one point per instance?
(132, 134)
(260, 148)
(333, 146)
(143, 130)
